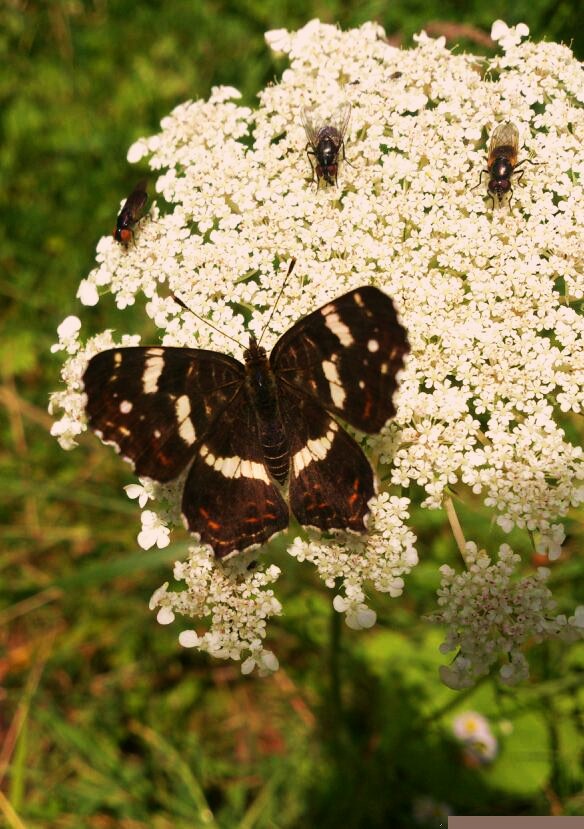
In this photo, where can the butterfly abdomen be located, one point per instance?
(263, 393)
(275, 447)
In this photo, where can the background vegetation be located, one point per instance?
(105, 720)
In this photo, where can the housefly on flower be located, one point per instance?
(502, 161)
(131, 213)
(325, 142)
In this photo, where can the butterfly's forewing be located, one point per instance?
(229, 498)
(154, 404)
(331, 480)
(346, 354)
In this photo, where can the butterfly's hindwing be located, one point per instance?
(347, 355)
(154, 404)
(229, 498)
(331, 480)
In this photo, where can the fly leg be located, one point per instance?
(344, 155)
(480, 180)
(310, 154)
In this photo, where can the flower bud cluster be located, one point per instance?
(490, 614)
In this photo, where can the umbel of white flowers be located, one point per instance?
(488, 297)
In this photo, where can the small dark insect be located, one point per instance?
(131, 213)
(325, 142)
(502, 161)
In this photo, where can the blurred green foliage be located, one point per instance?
(106, 722)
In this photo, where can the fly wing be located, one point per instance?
(311, 125)
(341, 118)
(136, 202)
(504, 141)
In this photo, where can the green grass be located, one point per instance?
(106, 721)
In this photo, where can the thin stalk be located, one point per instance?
(455, 527)
(335, 672)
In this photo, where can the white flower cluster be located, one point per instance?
(508, 36)
(71, 402)
(380, 558)
(235, 597)
(490, 615)
(488, 295)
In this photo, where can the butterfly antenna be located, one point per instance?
(206, 321)
(290, 269)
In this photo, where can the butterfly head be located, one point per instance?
(255, 353)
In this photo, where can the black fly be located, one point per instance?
(325, 142)
(131, 213)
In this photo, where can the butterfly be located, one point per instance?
(262, 434)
